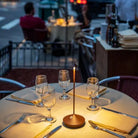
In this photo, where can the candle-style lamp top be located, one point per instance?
(74, 74)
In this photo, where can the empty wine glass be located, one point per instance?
(49, 100)
(92, 90)
(64, 81)
(40, 84)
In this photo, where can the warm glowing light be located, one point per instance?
(81, 1)
(60, 21)
(12, 4)
(4, 3)
(73, 74)
(71, 1)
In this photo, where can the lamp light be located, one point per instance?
(74, 120)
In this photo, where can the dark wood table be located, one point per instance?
(115, 61)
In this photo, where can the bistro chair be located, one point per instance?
(87, 51)
(35, 35)
(38, 39)
(9, 84)
(125, 84)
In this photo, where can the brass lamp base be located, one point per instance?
(74, 121)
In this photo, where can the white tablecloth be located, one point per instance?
(59, 32)
(9, 111)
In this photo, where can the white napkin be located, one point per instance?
(128, 32)
(80, 91)
(114, 120)
(28, 95)
(33, 130)
(128, 39)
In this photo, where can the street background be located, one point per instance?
(10, 13)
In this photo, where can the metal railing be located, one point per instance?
(37, 55)
(5, 59)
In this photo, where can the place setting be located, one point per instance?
(96, 113)
(85, 91)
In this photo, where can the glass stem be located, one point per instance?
(64, 93)
(49, 115)
(92, 101)
(41, 95)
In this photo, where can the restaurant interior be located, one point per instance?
(80, 82)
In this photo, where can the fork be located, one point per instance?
(106, 130)
(13, 123)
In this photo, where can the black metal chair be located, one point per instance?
(87, 51)
(35, 35)
(5, 82)
(38, 39)
(107, 80)
(125, 84)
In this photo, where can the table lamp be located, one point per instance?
(74, 120)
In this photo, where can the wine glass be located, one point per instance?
(92, 90)
(64, 81)
(49, 100)
(40, 84)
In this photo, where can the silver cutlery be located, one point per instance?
(101, 92)
(13, 123)
(119, 112)
(52, 132)
(106, 130)
(19, 101)
(75, 87)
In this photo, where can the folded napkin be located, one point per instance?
(80, 92)
(129, 46)
(27, 95)
(128, 32)
(114, 121)
(128, 39)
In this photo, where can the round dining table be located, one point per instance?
(30, 127)
(58, 32)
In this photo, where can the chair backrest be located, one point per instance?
(28, 34)
(8, 86)
(125, 84)
(106, 80)
(35, 35)
(128, 85)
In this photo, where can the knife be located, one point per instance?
(107, 127)
(75, 87)
(101, 92)
(19, 101)
(119, 112)
(52, 132)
